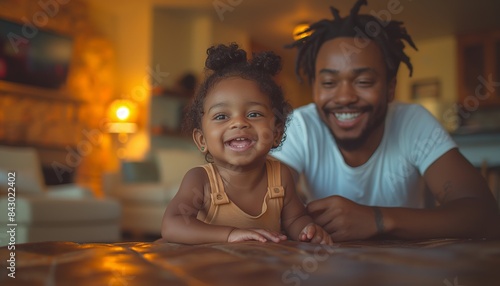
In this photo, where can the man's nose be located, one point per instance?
(345, 94)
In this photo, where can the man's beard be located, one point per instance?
(352, 144)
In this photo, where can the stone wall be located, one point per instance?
(65, 125)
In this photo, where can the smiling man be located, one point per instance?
(364, 156)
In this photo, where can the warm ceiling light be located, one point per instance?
(300, 28)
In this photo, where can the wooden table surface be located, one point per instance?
(445, 262)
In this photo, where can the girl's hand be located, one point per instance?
(315, 234)
(262, 235)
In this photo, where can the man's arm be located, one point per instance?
(466, 206)
(467, 209)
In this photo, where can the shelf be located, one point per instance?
(479, 69)
(25, 91)
(48, 147)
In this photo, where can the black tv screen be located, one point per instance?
(32, 56)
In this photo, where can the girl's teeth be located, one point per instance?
(347, 116)
(239, 143)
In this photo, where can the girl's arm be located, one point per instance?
(180, 224)
(295, 220)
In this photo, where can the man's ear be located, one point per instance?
(391, 90)
(199, 140)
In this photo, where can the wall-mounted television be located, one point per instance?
(32, 56)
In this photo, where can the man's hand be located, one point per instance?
(262, 235)
(315, 234)
(346, 220)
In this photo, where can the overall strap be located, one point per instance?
(274, 187)
(217, 194)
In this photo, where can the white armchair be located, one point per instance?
(50, 213)
(144, 199)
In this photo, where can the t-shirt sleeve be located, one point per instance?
(293, 150)
(425, 138)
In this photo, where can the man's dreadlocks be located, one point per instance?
(389, 36)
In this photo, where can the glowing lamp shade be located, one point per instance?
(122, 116)
(298, 29)
(123, 110)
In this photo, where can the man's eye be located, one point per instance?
(365, 83)
(328, 83)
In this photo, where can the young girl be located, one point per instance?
(238, 115)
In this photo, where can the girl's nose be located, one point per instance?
(239, 122)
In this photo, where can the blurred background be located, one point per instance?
(93, 84)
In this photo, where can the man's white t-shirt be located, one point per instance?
(413, 139)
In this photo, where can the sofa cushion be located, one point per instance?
(25, 163)
(98, 231)
(139, 172)
(146, 193)
(68, 191)
(40, 209)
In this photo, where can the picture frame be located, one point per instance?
(427, 88)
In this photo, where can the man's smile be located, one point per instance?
(346, 116)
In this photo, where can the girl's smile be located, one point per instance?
(240, 144)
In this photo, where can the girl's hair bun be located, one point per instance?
(222, 56)
(267, 62)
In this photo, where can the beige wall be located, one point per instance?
(128, 25)
(171, 42)
(435, 59)
(225, 34)
(182, 36)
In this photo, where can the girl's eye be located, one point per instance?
(254, 114)
(220, 117)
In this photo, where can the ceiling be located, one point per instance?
(270, 22)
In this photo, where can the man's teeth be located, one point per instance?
(347, 116)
